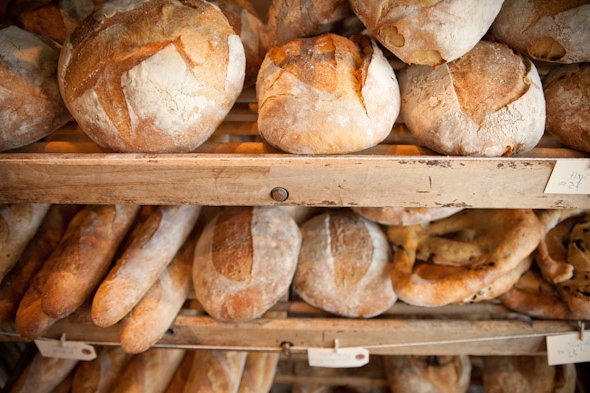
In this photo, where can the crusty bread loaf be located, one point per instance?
(216, 371)
(326, 95)
(344, 265)
(43, 374)
(18, 224)
(289, 20)
(259, 372)
(554, 31)
(488, 103)
(567, 97)
(151, 249)
(157, 309)
(429, 32)
(134, 86)
(39, 248)
(150, 371)
(242, 16)
(405, 215)
(84, 256)
(526, 374)
(244, 261)
(32, 107)
(100, 374)
(428, 374)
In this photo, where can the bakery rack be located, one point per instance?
(234, 167)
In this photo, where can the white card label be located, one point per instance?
(66, 349)
(338, 358)
(569, 177)
(568, 348)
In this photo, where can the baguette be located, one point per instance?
(18, 225)
(216, 371)
(182, 374)
(43, 374)
(86, 252)
(259, 372)
(156, 242)
(100, 374)
(46, 239)
(151, 317)
(150, 371)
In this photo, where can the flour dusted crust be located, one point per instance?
(405, 215)
(326, 95)
(136, 87)
(489, 103)
(344, 265)
(554, 31)
(289, 20)
(244, 261)
(31, 104)
(429, 32)
(567, 96)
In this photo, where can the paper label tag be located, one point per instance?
(337, 358)
(568, 348)
(66, 349)
(569, 177)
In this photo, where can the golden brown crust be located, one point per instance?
(100, 374)
(405, 215)
(488, 242)
(216, 371)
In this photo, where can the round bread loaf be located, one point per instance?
(326, 95)
(567, 97)
(555, 31)
(244, 261)
(289, 20)
(243, 17)
(487, 103)
(429, 32)
(405, 215)
(152, 76)
(344, 265)
(31, 104)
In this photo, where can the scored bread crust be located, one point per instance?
(244, 261)
(344, 265)
(155, 76)
(429, 32)
(488, 103)
(405, 215)
(326, 95)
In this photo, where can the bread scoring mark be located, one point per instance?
(351, 248)
(231, 248)
(110, 8)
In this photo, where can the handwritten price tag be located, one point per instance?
(569, 177)
(337, 358)
(568, 348)
(66, 349)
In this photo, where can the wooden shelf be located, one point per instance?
(235, 168)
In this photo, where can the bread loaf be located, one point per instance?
(326, 95)
(244, 261)
(157, 309)
(554, 31)
(150, 251)
(150, 371)
(344, 265)
(244, 19)
(100, 374)
(84, 256)
(428, 374)
(134, 86)
(405, 215)
(567, 97)
(38, 249)
(290, 20)
(527, 374)
(487, 103)
(32, 107)
(216, 371)
(428, 32)
(18, 224)
(259, 372)
(43, 374)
